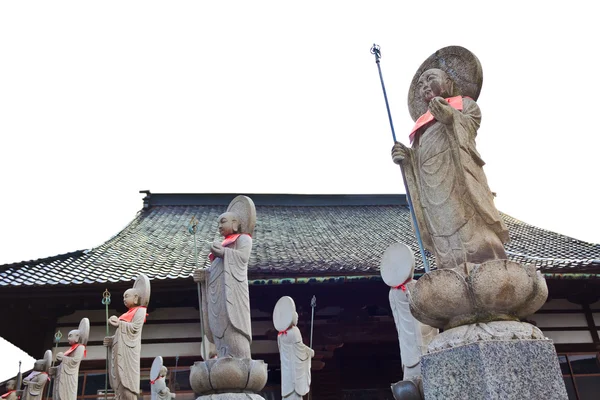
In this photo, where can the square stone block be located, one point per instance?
(502, 370)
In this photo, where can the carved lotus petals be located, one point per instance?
(228, 375)
(437, 292)
(497, 290)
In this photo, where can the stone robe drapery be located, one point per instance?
(35, 384)
(226, 302)
(295, 364)
(413, 336)
(452, 201)
(10, 395)
(67, 374)
(160, 391)
(125, 357)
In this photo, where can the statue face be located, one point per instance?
(131, 298)
(433, 83)
(10, 385)
(227, 224)
(39, 365)
(73, 337)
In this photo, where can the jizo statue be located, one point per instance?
(224, 285)
(126, 344)
(67, 372)
(36, 381)
(158, 383)
(11, 391)
(453, 204)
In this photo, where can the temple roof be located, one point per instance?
(295, 236)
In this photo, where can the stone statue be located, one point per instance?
(397, 270)
(226, 312)
(224, 285)
(126, 344)
(36, 381)
(158, 372)
(67, 373)
(295, 355)
(11, 393)
(452, 201)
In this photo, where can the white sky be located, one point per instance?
(101, 99)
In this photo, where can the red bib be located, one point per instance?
(455, 102)
(229, 239)
(72, 349)
(128, 316)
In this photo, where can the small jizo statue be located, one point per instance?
(444, 172)
(37, 380)
(126, 344)
(224, 285)
(67, 373)
(295, 355)
(158, 383)
(11, 393)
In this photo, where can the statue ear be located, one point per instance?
(235, 225)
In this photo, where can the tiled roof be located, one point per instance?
(295, 235)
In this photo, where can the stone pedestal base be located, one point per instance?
(228, 378)
(502, 370)
(231, 396)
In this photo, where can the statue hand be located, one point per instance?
(399, 153)
(60, 356)
(114, 321)
(441, 110)
(200, 274)
(108, 341)
(217, 249)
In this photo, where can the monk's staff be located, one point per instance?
(375, 50)
(313, 304)
(19, 380)
(57, 336)
(192, 229)
(106, 302)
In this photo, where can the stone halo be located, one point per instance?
(155, 369)
(142, 284)
(47, 360)
(243, 207)
(283, 314)
(84, 331)
(460, 64)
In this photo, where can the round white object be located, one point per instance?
(84, 331)
(283, 314)
(156, 366)
(397, 264)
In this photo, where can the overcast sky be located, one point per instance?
(99, 100)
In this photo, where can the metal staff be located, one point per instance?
(313, 304)
(192, 229)
(57, 336)
(106, 302)
(375, 50)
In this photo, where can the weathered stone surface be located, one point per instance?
(228, 375)
(498, 370)
(496, 290)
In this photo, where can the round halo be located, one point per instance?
(156, 366)
(397, 264)
(47, 360)
(84, 331)
(243, 207)
(462, 66)
(283, 314)
(142, 285)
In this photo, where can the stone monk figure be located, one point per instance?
(126, 344)
(452, 201)
(224, 285)
(36, 381)
(11, 394)
(67, 373)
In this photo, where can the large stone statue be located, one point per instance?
(126, 344)
(158, 372)
(452, 201)
(66, 375)
(11, 393)
(476, 295)
(295, 355)
(226, 311)
(397, 270)
(36, 381)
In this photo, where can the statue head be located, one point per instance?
(163, 371)
(39, 365)
(435, 82)
(229, 224)
(131, 298)
(74, 336)
(10, 385)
